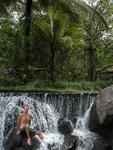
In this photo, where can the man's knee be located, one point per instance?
(27, 127)
(39, 133)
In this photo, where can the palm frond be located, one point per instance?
(76, 32)
(58, 21)
(75, 4)
(79, 42)
(66, 42)
(94, 12)
(45, 27)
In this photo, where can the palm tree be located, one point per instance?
(28, 13)
(94, 32)
(66, 5)
(55, 26)
(71, 6)
(95, 17)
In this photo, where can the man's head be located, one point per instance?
(25, 108)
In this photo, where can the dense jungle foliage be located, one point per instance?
(52, 41)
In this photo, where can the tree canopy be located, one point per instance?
(56, 40)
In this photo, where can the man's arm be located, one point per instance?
(30, 119)
(18, 124)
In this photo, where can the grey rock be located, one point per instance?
(104, 103)
(18, 142)
(100, 144)
(101, 116)
(65, 126)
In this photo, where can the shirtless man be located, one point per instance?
(24, 122)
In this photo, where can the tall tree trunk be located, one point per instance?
(92, 64)
(28, 13)
(52, 64)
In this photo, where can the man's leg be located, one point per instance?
(28, 135)
(39, 135)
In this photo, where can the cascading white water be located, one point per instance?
(85, 136)
(44, 117)
(46, 113)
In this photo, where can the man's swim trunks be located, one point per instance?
(33, 132)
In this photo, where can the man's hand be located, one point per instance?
(18, 132)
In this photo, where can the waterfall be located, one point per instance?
(85, 136)
(46, 110)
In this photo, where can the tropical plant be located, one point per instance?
(60, 34)
(58, 20)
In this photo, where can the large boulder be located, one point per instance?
(65, 127)
(70, 142)
(100, 144)
(18, 142)
(94, 124)
(104, 104)
(101, 116)
(54, 146)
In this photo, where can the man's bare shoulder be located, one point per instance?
(21, 114)
(30, 114)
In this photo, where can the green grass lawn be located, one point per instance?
(58, 86)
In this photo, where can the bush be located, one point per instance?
(8, 81)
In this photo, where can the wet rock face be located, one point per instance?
(101, 116)
(104, 104)
(54, 146)
(65, 126)
(100, 144)
(18, 142)
(94, 124)
(71, 142)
